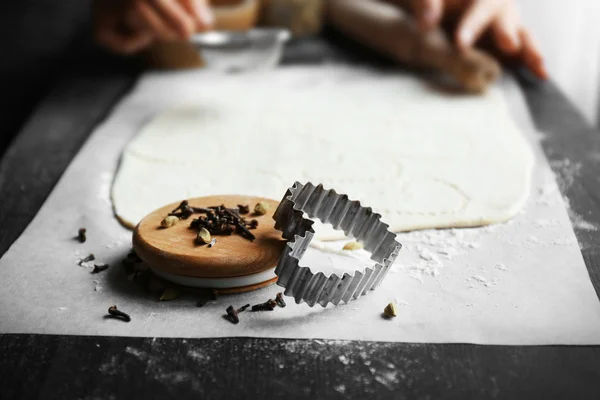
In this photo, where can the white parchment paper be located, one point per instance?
(523, 282)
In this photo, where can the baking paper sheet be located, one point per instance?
(523, 282)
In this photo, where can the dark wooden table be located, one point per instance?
(68, 367)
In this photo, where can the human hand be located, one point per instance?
(475, 18)
(128, 26)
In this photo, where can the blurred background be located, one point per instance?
(41, 38)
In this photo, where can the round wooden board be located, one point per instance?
(174, 250)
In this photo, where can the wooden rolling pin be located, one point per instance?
(389, 30)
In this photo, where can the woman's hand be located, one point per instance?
(498, 18)
(128, 26)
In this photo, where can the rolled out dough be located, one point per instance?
(421, 158)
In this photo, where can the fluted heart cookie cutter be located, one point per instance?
(356, 221)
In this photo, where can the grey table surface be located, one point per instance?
(47, 366)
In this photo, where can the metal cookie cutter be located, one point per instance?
(356, 221)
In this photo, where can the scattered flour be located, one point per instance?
(567, 172)
(111, 367)
(545, 223)
(579, 222)
(564, 242)
(545, 195)
(118, 243)
(387, 379)
(198, 356)
(533, 240)
(429, 248)
(340, 388)
(150, 316)
(419, 269)
(501, 267)
(87, 265)
(135, 352)
(401, 303)
(448, 252)
(104, 187)
(344, 360)
(427, 255)
(539, 135)
(479, 280)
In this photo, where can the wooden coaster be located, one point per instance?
(173, 253)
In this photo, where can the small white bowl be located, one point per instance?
(238, 51)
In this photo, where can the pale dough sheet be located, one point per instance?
(420, 158)
(518, 283)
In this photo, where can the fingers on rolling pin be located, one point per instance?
(505, 30)
(532, 56)
(476, 70)
(473, 70)
(475, 20)
(428, 13)
(388, 29)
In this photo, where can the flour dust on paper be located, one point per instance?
(420, 158)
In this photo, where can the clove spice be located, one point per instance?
(243, 230)
(201, 303)
(268, 305)
(81, 235)
(279, 300)
(391, 310)
(89, 258)
(232, 313)
(169, 221)
(114, 312)
(261, 208)
(182, 211)
(99, 268)
(217, 220)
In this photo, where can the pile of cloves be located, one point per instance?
(216, 220)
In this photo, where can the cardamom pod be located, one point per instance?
(353, 246)
(391, 310)
(261, 208)
(169, 221)
(203, 236)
